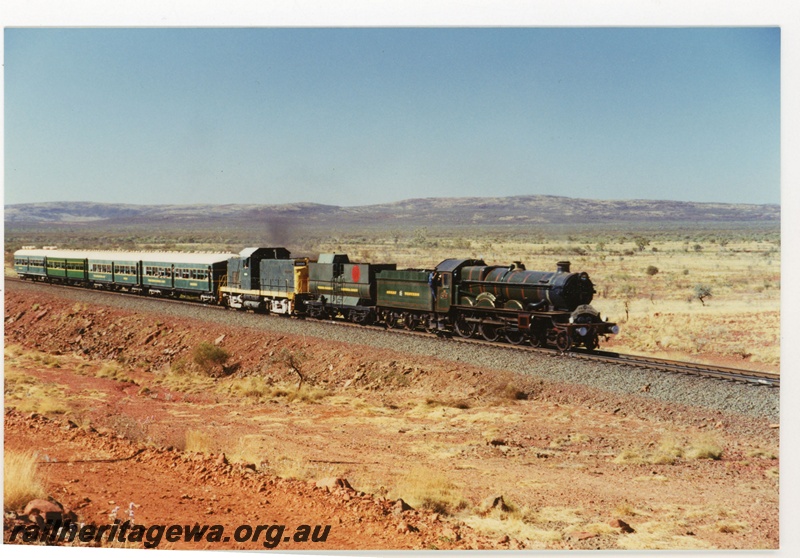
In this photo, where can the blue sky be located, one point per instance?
(351, 116)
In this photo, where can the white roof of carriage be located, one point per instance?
(205, 258)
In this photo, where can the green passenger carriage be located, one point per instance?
(155, 273)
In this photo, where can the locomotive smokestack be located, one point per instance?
(562, 267)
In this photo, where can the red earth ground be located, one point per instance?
(113, 404)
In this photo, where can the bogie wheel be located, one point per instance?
(514, 337)
(430, 324)
(411, 322)
(464, 328)
(391, 320)
(489, 332)
(591, 343)
(563, 342)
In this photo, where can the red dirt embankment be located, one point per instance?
(109, 399)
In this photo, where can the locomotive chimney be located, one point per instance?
(562, 267)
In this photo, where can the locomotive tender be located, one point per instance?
(461, 296)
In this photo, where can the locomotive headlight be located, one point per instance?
(582, 331)
(615, 329)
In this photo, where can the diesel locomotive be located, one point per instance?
(464, 297)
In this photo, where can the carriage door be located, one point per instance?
(444, 291)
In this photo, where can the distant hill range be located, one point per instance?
(516, 210)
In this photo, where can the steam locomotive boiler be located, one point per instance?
(546, 307)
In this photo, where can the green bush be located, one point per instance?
(208, 356)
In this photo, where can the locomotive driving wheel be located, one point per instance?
(463, 327)
(489, 332)
(514, 337)
(538, 339)
(563, 341)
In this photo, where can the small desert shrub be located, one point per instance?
(651, 270)
(454, 403)
(137, 430)
(702, 292)
(507, 391)
(21, 482)
(209, 357)
(730, 526)
(179, 367)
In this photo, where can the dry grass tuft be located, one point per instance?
(21, 482)
(760, 453)
(670, 450)
(179, 376)
(198, 441)
(113, 371)
(772, 473)
(28, 395)
(423, 488)
(305, 393)
(520, 529)
(627, 509)
(704, 447)
(291, 468)
(661, 535)
(248, 449)
(553, 514)
(250, 387)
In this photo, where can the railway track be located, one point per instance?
(707, 370)
(755, 377)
